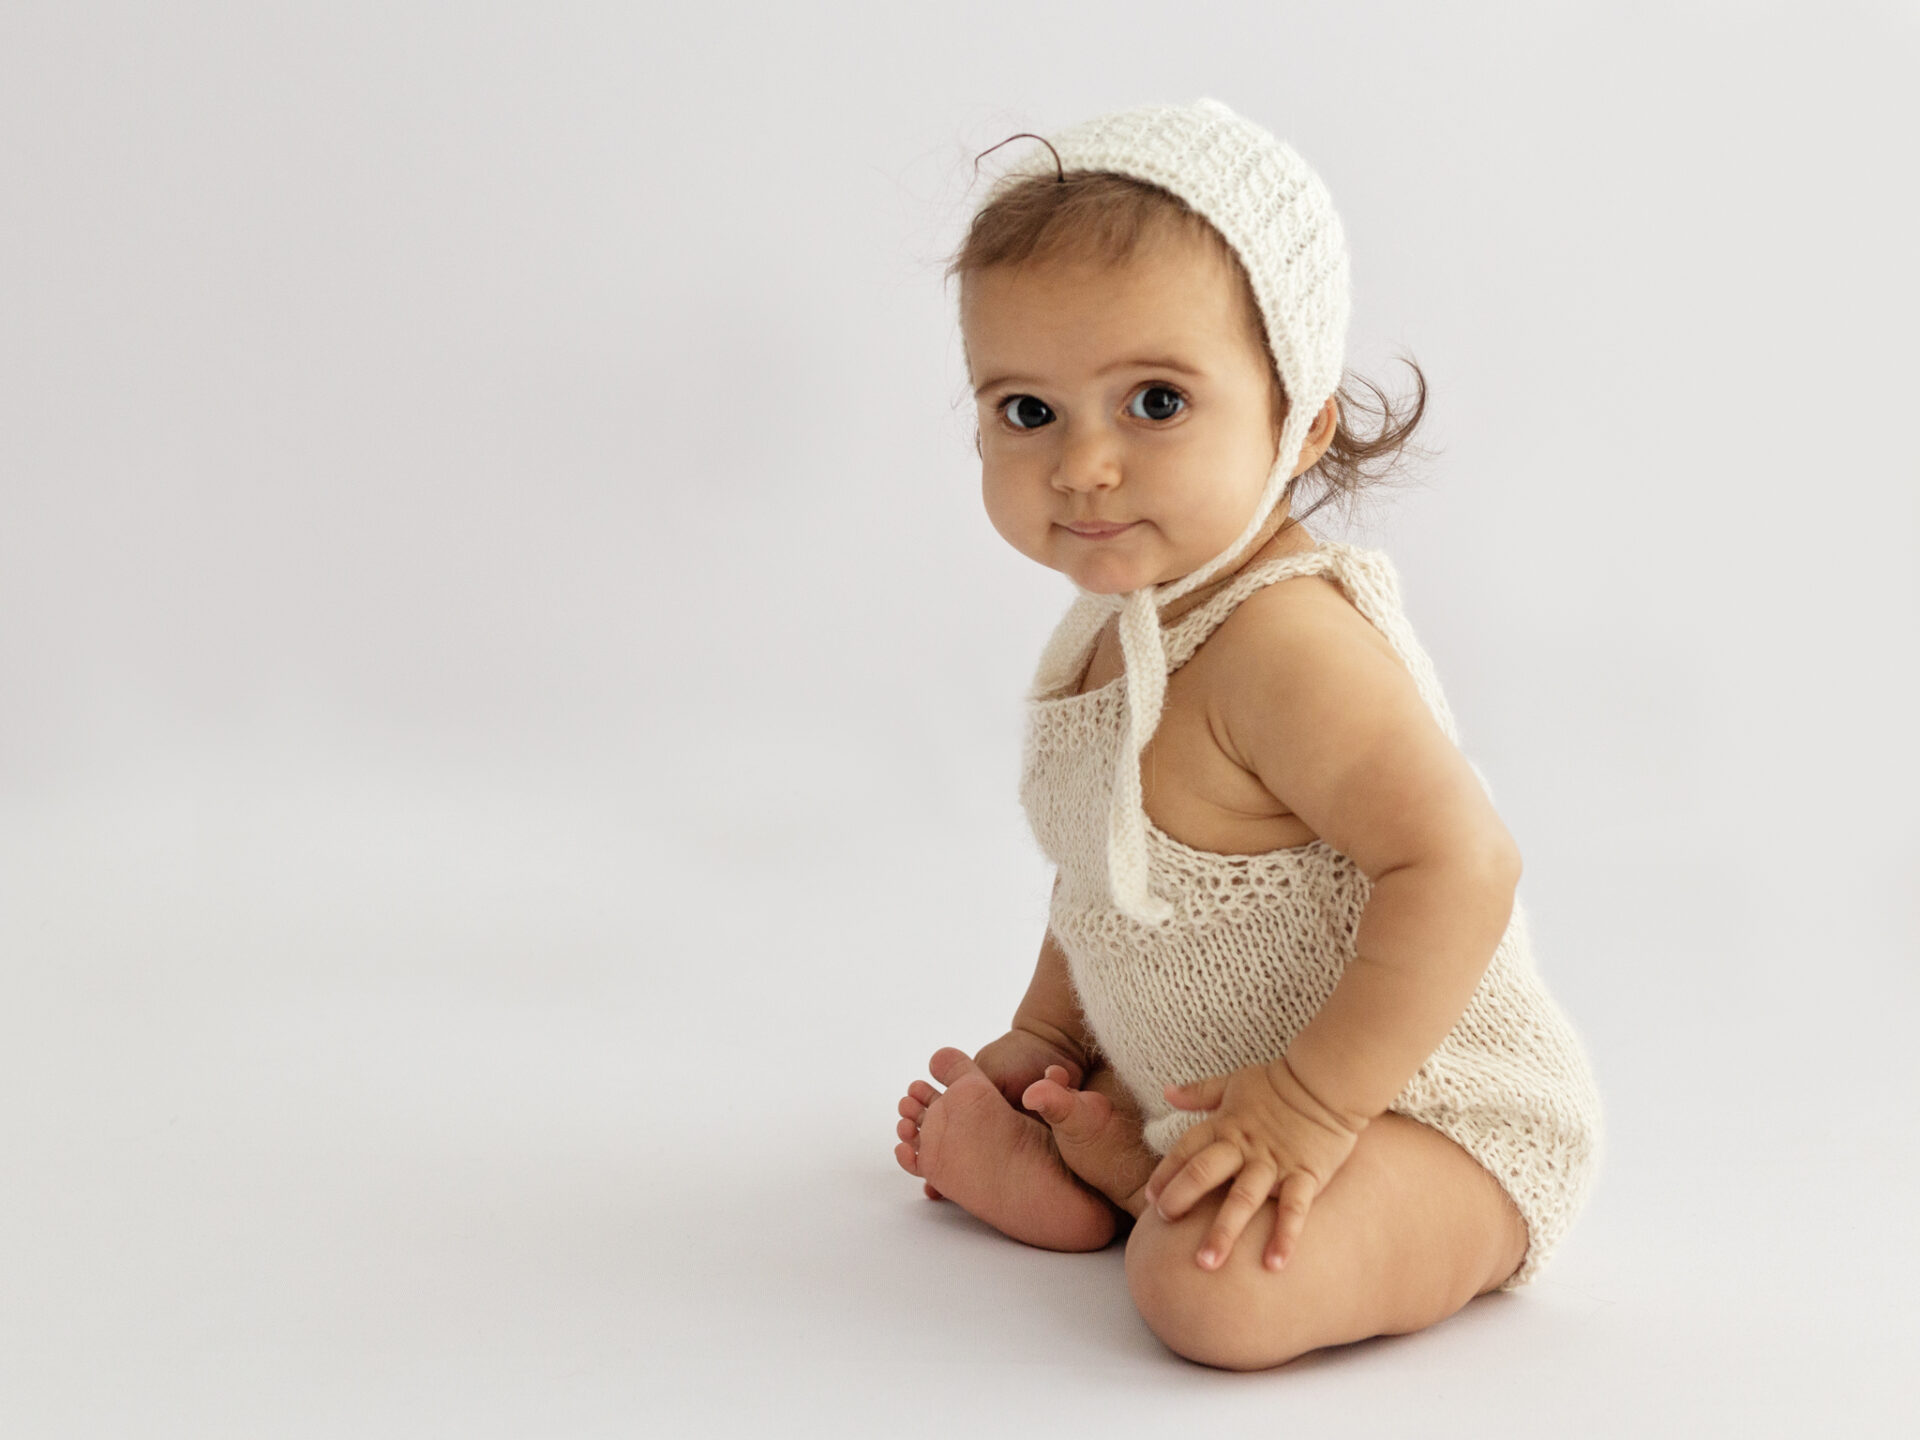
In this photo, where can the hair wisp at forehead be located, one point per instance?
(1088, 217)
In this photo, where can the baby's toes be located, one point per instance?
(912, 1109)
(949, 1064)
(923, 1092)
(909, 1159)
(907, 1130)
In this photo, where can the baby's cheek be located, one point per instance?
(1016, 517)
(1017, 530)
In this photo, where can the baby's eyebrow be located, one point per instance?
(1143, 362)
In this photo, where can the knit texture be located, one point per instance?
(1253, 944)
(1278, 218)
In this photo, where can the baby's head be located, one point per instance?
(1135, 365)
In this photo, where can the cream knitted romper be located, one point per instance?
(1257, 942)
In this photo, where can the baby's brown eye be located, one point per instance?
(1026, 412)
(1162, 403)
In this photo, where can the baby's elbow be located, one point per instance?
(1491, 858)
(1504, 859)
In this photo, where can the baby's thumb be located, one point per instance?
(1049, 1101)
(1199, 1095)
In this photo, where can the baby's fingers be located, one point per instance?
(1242, 1203)
(1212, 1166)
(1196, 1139)
(1296, 1198)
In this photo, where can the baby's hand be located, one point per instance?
(1269, 1131)
(1018, 1058)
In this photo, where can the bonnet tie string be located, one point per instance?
(1143, 646)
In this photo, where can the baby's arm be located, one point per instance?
(1339, 727)
(1333, 723)
(1423, 942)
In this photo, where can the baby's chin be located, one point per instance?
(1104, 581)
(1116, 574)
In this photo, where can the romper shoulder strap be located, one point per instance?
(1370, 581)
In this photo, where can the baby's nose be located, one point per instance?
(1089, 460)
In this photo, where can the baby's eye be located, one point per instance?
(1025, 412)
(1163, 402)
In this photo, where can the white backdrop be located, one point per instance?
(509, 703)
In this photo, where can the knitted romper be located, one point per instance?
(1257, 942)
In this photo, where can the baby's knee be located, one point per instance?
(1239, 1317)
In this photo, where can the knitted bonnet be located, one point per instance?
(1279, 220)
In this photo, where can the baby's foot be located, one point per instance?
(969, 1145)
(1099, 1142)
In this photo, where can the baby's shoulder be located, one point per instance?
(1299, 609)
(1305, 687)
(1300, 628)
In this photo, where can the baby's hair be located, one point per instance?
(1095, 216)
(1060, 171)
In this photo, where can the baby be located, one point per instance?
(1286, 1022)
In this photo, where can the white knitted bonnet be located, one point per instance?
(1279, 220)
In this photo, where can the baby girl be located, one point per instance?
(1286, 1023)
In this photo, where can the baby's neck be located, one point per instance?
(1282, 539)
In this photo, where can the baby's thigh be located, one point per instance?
(1410, 1230)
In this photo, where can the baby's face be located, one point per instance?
(1135, 395)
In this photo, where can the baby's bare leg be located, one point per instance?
(1409, 1231)
(1097, 1131)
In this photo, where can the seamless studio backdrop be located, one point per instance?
(510, 704)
